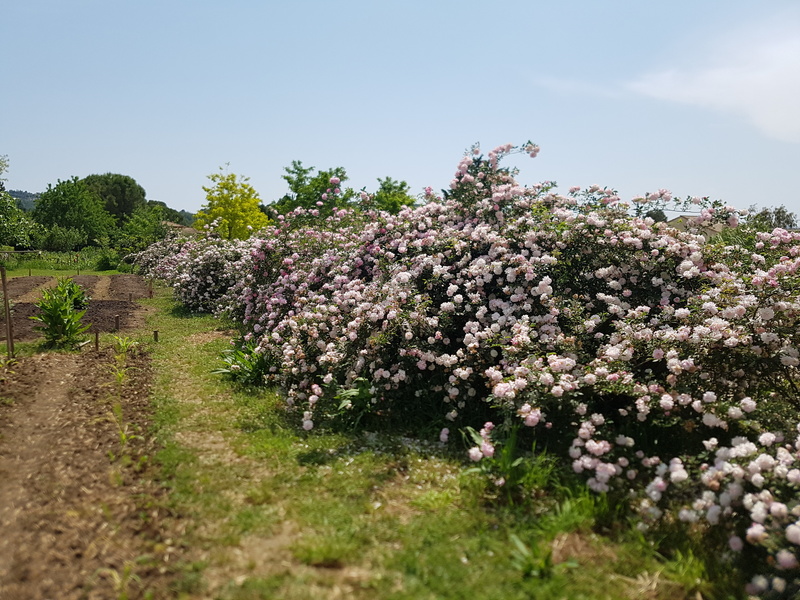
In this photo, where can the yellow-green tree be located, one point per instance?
(233, 204)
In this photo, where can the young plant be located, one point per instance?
(6, 368)
(516, 474)
(244, 363)
(120, 580)
(60, 314)
(124, 430)
(123, 344)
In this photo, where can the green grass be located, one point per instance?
(86, 261)
(276, 512)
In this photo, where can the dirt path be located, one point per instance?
(80, 519)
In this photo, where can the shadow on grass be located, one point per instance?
(179, 311)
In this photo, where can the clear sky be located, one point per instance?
(701, 97)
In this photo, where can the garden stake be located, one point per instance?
(130, 297)
(9, 326)
(155, 335)
(96, 341)
(116, 322)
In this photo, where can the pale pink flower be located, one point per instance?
(786, 560)
(793, 533)
(487, 449)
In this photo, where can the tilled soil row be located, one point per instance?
(111, 297)
(80, 514)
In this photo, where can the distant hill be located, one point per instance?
(25, 200)
(187, 218)
(181, 217)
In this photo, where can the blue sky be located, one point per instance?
(700, 97)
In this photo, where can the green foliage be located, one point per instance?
(391, 196)
(61, 239)
(532, 561)
(354, 402)
(73, 293)
(144, 227)
(768, 219)
(658, 215)
(311, 192)
(60, 314)
(515, 476)
(121, 195)
(86, 261)
(232, 203)
(72, 205)
(243, 364)
(123, 344)
(325, 191)
(16, 229)
(181, 217)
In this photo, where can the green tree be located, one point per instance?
(144, 227)
(391, 196)
(323, 191)
(233, 204)
(168, 214)
(768, 219)
(71, 205)
(121, 195)
(16, 229)
(657, 214)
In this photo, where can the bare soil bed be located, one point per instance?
(80, 516)
(111, 296)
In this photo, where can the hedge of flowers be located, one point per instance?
(665, 362)
(200, 270)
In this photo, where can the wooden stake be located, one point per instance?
(7, 308)
(96, 341)
(155, 335)
(116, 322)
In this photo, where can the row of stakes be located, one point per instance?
(116, 328)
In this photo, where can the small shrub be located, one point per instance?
(74, 293)
(244, 363)
(61, 314)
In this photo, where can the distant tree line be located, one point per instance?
(110, 211)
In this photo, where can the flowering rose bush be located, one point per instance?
(200, 270)
(664, 364)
